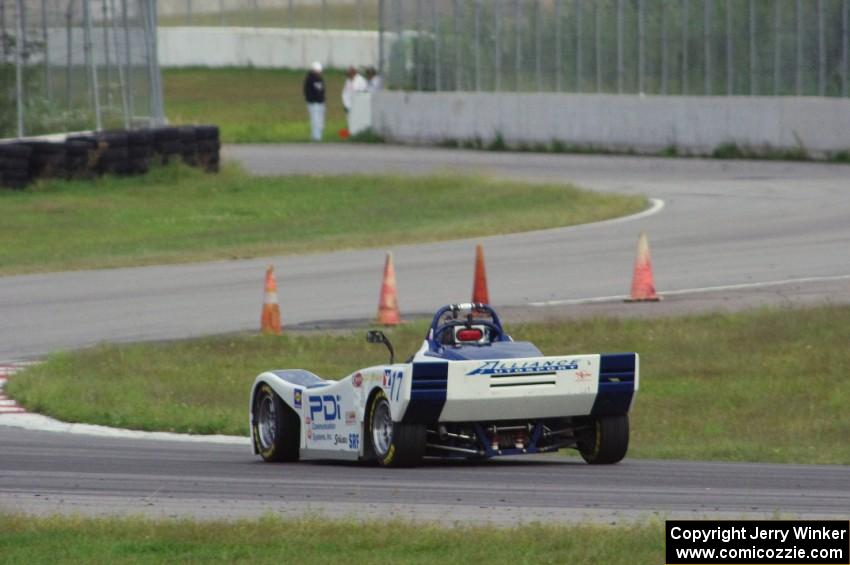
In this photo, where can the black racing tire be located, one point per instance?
(139, 137)
(276, 428)
(207, 132)
(15, 150)
(607, 442)
(393, 444)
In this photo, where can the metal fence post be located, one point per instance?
(753, 54)
(360, 15)
(380, 34)
(620, 26)
(47, 80)
(125, 22)
(777, 47)
(19, 68)
(437, 63)
(290, 14)
(92, 64)
(578, 44)
(189, 12)
(664, 51)
(107, 61)
(821, 52)
(685, 15)
(518, 37)
(597, 40)
(417, 46)
(477, 7)
(707, 18)
(558, 46)
(68, 51)
(730, 68)
(641, 39)
(121, 84)
(397, 57)
(799, 70)
(456, 39)
(497, 60)
(538, 45)
(324, 14)
(845, 5)
(221, 20)
(3, 28)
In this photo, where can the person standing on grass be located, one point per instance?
(314, 94)
(353, 83)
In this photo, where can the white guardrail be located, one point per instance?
(697, 124)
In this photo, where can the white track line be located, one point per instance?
(705, 289)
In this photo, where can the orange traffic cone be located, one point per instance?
(479, 284)
(270, 319)
(643, 286)
(388, 313)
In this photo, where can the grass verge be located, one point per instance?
(766, 385)
(250, 105)
(268, 540)
(178, 214)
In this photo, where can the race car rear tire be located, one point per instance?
(607, 442)
(276, 429)
(393, 444)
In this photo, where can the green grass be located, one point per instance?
(767, 385)
(271, 540)
(250, 105)
(178, 214)
(334, 16)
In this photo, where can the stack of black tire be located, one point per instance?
(208, 148)
(81, 155)
(14, 166)
(166, 144)
(117, 152)
(47, 160)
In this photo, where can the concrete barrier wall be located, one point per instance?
(265, 47)
(641, 123)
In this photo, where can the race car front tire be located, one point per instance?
(393, 444)
(607, 442)
(275, 427)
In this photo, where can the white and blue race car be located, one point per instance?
(469, 391)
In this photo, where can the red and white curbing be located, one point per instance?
(7, 405)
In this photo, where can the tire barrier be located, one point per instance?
(15, 166)
(113, 152)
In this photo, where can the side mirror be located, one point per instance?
(377, 336)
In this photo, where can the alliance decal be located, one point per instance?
(524, 368)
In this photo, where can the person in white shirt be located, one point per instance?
(353, 84)
(374, 80)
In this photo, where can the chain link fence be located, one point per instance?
(682, 47)
(313, 14)
(72, 65)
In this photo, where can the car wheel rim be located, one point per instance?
(267, 422)
(382, 429)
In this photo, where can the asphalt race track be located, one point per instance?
(723, 223)
(46, 472)
(730, 235)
